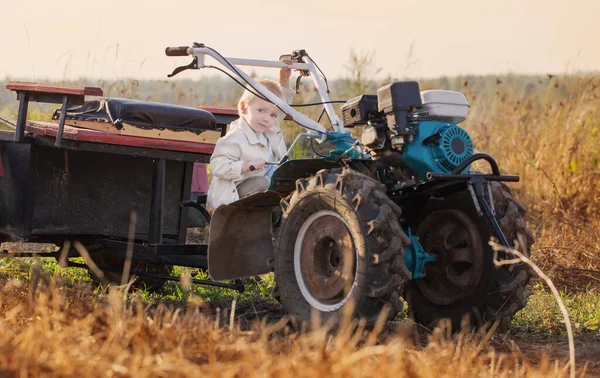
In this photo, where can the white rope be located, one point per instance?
(522, 258)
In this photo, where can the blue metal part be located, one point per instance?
(437, 147)
(286, 173)
(345, 145)
(415, 256)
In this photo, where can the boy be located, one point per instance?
(239, 161)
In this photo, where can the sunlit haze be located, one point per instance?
(111, 39)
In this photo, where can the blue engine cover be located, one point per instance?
(437, 147)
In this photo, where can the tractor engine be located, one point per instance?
(406, 127)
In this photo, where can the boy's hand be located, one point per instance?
(254, 165)
(285, 73)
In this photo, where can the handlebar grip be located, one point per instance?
(177, 51)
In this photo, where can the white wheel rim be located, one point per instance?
(302, 234)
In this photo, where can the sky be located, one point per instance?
(62, 40)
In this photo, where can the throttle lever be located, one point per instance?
(298, 79)
(192, 65)
(296, 56)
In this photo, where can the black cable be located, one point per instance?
(311, 129)
(320, 103)
(254, 93)
(324, 79)
(241, 84)
(234, 68)
(266, 99)
(321, 115)
(226, 61)
(322, 74)
(314, 149)
(260, 96)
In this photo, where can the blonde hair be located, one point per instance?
(248, 96)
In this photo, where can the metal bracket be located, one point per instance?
(474, 197)
(476, 185)
(491, 198)
(61, 121)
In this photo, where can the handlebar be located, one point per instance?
(301, 62)
(177, 51)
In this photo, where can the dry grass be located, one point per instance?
(65, 330)
(546, 129)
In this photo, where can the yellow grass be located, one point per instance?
(62, 331)
(549, 137)
(546, 129)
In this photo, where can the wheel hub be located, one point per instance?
(324, 260)
(454, 237)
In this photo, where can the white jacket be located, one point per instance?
(240, 144)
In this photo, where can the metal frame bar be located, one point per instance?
(232, 63)
(155, 251)
(186, 191)
(23, 98)
(61, 120)
(78, 145)
(28, 192)
(468, 176)
(190, 255)
(480, 193)
(157, 201)
(237, 285)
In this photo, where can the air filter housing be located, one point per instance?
(359, 110)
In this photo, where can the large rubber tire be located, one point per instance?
(467, 285)
(114, 276)
(339, 247)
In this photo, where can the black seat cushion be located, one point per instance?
(143, 114)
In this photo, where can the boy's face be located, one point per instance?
(260, 114)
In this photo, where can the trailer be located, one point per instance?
(76, 180)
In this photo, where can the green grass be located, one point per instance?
(22, 268)
(542, 314)
(35, 113)
(256, 288)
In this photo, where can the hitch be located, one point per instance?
(475, 186)
(475, 183)
(237, 285)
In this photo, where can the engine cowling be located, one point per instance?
(437, 147)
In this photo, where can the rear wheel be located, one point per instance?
(464, 282)
(339, 246)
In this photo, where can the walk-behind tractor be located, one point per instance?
(398, 213)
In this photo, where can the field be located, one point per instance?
(544, 128)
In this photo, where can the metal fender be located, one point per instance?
(240, 243)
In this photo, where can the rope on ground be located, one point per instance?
(521, 258)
